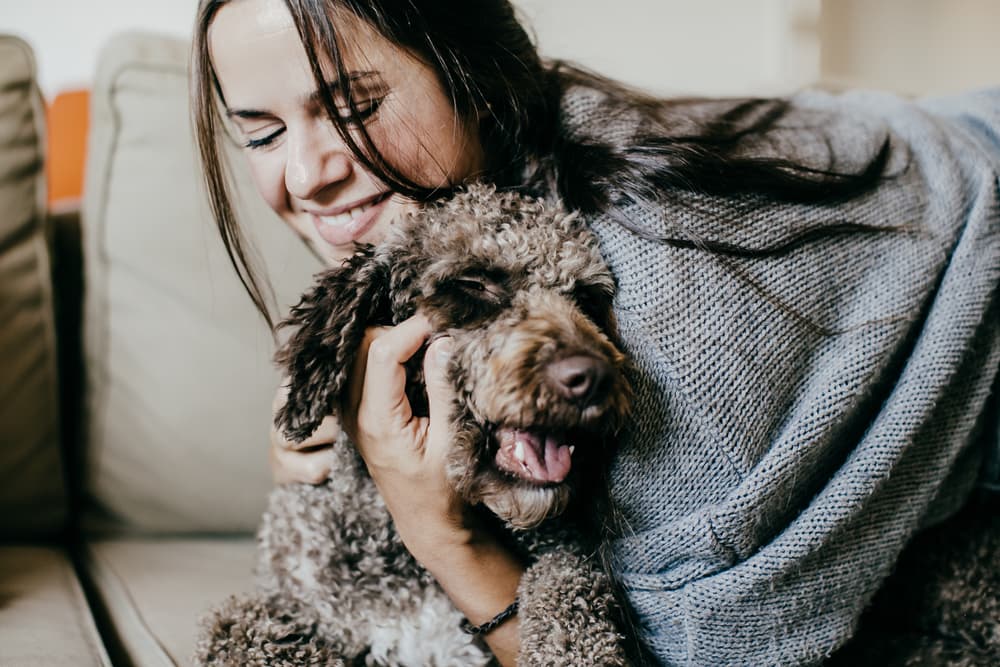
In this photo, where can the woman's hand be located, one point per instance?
(307, 461)
(406, 455)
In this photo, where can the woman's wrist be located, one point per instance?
(481, 577)
(479, 563)
(447, 542)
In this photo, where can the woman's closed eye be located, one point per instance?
(365, 110)
(264, 138)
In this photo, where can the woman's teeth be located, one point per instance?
(344, 218)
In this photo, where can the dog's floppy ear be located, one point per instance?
(330, 323)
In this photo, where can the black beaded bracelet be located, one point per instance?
(470, 629)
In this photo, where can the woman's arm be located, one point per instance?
(406, 456)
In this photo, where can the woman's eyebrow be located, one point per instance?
(310, 99)
(249, 114)
(333, 85)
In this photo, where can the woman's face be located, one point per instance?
(299, 163)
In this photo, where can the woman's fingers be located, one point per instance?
(327, 433)
(307, 461)
(384, 391)
(306, 466)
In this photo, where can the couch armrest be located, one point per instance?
(32, 496)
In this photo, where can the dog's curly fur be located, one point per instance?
(520, 288)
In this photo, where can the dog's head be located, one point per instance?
(521, 289)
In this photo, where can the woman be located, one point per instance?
(808, 290)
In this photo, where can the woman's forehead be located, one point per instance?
(258, 56)
(256, 17)
(254, 42)
(247, 23)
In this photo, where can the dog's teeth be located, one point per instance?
(519, 451)
(572, 448)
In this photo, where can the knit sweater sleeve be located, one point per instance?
(801, 413)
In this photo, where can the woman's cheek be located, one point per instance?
(268, 176)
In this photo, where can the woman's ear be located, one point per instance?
(330, 323)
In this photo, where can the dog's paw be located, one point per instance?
(568, 614)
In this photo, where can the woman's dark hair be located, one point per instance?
(489, 67)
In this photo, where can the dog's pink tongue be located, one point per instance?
(536, 457)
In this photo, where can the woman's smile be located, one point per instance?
(347, 224)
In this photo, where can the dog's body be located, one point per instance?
(522, 291)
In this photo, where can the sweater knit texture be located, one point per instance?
(800, 415)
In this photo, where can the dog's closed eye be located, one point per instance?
(482, 288)
(469, 297)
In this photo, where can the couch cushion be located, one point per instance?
(32, 500)
(178, 361)
(44, 618)
(153, 591)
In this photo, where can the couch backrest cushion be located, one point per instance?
(179, 363)
(32, 498)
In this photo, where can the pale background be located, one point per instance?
(715, 47)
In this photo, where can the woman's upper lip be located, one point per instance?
(337, 210)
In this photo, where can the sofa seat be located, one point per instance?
(44, 616)
(152, 591)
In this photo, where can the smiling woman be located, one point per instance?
(305, 170)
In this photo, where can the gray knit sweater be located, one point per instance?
(774, 471)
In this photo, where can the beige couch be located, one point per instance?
(135, 377)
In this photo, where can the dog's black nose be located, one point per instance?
(580, 378)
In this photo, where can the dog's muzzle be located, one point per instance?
(545, 456)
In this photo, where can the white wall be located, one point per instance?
(685, 46)
(911, 46)
(68, 34)
(707, 46)
(670, 46)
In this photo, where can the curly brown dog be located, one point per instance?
(521, 289)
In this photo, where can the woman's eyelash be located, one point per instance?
(264, 141)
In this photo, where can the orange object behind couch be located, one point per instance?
(67, 118)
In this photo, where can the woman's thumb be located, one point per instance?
(440, 393)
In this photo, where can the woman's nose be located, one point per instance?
(316, 159)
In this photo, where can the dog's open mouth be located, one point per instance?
(534, 456)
